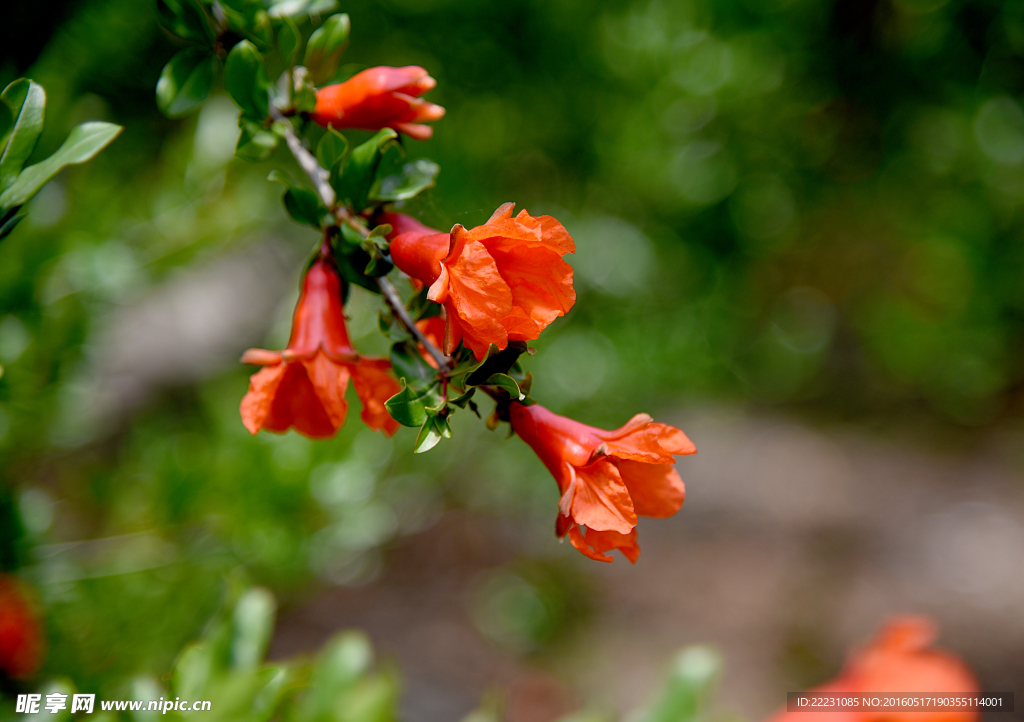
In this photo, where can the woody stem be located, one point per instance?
(318, 177)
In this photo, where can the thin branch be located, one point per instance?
(390, 294)
(318, 177)
(306, 160)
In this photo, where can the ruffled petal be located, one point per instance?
(596, 543)
(642, 439)
(479, 297)
(656, 489)
(329, 379)
(256, 404)
(601, 500)
(541, 285)
(374, 385)
(295, 404)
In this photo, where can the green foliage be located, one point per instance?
(301, 203)
(25, 104)
(246, 81)
(188, 19)
(185, 82)
(353, 181)
(414, 178)
(325, 46)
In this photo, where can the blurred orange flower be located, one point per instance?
(303, 387)
(499, 282)
(606, 478)
(21, 633)
(380, 97)
(898, 661)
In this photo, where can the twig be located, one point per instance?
(318, 176)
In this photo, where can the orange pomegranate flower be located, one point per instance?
(21, 634)
(303, 387)
(606, 478)
(380, 97)
(899, 661)
(499, 282)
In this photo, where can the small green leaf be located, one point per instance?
(325, 46)
(304, 98)
(353, 185)
(292, 8)
(185, 82)
(415, 178)
(378, 266)
(496, 363)
(302, 204)
(26, 101)
(192, 671)
(6, 124)
(506, 383)
(686, 694)
(248, 19)
(463, 399)
(253, 623)
(408, 407)
(7, 224)
(187, 19)
(82, 143)
(256, 142)
(409, 365)
(331, 148)
(246, 80)
(288, 41)
(430, 435)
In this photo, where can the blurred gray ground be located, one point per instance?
(794, 545)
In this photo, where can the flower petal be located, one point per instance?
(656, 489)
(642, 439)
(596, 543)
(601, 500)
(256, 404)
(329, 380)
(480, 298)
(374, 385)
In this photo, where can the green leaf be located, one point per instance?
(463, 399)
(506, 383)
(408, 407)
(246, 80)
(288, 41)
(331, 148)
(248, 19)
(430, 435)
(256, 142)
(496, 362)
(193, 670)
(6, 124)
(354, 183)
(8, 222)
(415, 178)
(302, 204)
(325, 46)
(26, 102)
(409, 365)
(82, 143)
(187, 19)
(292, 8)
(253, 623)
(685, 695)
(185, 82)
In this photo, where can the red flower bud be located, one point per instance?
(897, 662)
(304, 385)
(21, 633)
(607, 478)
(499, 282)
(380, 97)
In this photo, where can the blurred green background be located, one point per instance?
(799, 208)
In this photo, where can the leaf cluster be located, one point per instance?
(22, 113)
